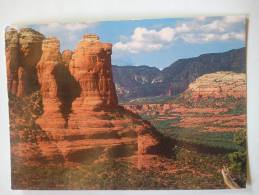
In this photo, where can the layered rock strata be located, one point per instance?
(82, 118)
(66, 57)
(23, 51)
(91, 67)
(12, 59)
(47, 70)
(218, 85)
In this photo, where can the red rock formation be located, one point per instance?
(23, 51)
(21, 82)
(30, 43)
(66, 57)
(46, 67)
(218, 85)
(91, 67)
(12, 59)
(96, 126)
(149, 109)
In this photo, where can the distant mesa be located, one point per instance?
(218, 85)
(143, 81)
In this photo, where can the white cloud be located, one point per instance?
(182, 28)
(207, 37)
(53, 27)
(199, 30)
(68, 33)
(224, 24)
(143, 39)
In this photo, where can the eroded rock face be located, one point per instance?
(47, 70)
(91, 67)
(23, 51)
(81, 116)
(12, 59)
(66, 57)
(218, 85)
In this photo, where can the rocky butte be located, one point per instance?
(23, 51)
(81, 116)
(218, 85)
(91, 67)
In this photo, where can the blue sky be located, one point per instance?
(157, 42)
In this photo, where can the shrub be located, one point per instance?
(238, 158)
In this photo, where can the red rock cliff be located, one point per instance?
(23, 51)
(46, 70)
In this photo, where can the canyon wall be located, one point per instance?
(144, 81)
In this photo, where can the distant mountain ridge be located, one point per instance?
(143, 81)
(134, 81)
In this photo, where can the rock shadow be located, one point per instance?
(68, 89)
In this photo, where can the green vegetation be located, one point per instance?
(238, 108)
(23, 112)
(238, 159)
(197, 135)
(239, 104)
(231, 143)
(186, 173)
(26, 108)
(222, 140)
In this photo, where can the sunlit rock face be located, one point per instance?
(91, 68)
(47, 70)
(218, 85)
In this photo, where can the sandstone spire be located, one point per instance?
(91, 67)
(47, 70)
